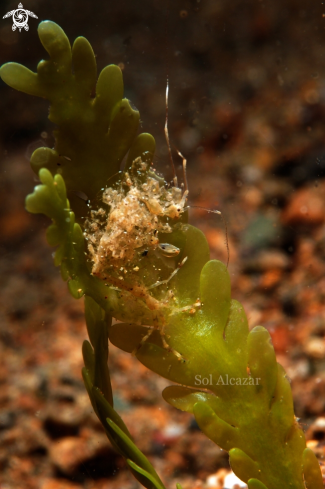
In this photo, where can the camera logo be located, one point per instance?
(20, 18)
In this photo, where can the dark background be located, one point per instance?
(247, 109)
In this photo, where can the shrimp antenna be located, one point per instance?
(227, 242)
(167, 138)
(184, 169)
(84, 197)
(223, 220)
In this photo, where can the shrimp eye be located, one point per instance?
(168, 250)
